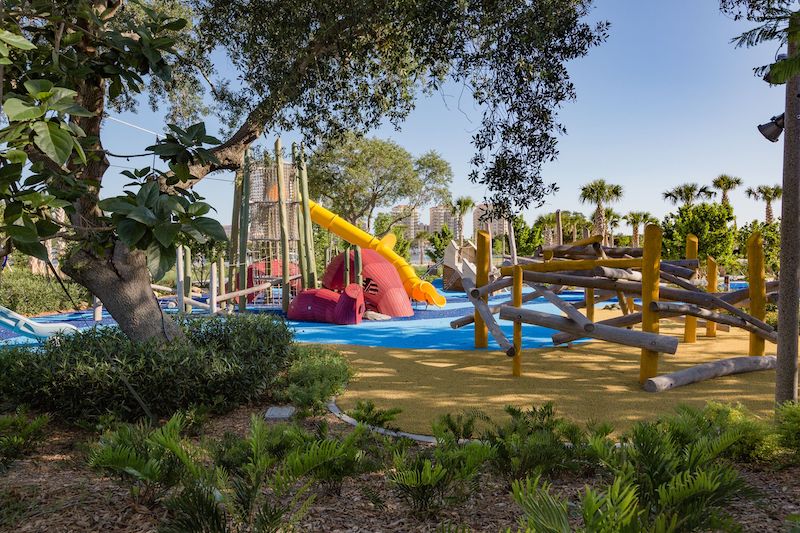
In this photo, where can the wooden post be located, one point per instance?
(244, 227)
(221, 282)
(301, 222)
(589, 298)
(187, 276)
(690, 324)
(233, 246)
(282, 190)
(517, 302)
(712, 279)
(482, 265)
(648, 364)
(212, 288)
(358, 266)
(179, 277)
(512, 243)
(758, 290)
(97, 309)
(310, 252)
(559, 229)
(347, 275)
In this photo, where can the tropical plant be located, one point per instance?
(725, 184)
(636, 219)
(767, 194)
(439, 241)
(709, 222)
(387, 223)
(613, 220)
(547, 225)
(367, 413)
(688, 193)
(421, 239)
(460, 207)
(528, 238)
(771, 234)
(316, 375)
(600, 193)
(19, 435)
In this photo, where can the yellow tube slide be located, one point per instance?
(415, 287)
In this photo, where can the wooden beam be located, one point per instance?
(517, 302)
(286, 292)
(482, 308)
(758, 289)
(571, 312)
(576, 264)
(694, 311)
(712, 273)
(706, 371)
(483, 264)
(648, 364)
(628, 337)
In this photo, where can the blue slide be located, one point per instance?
(27, 327)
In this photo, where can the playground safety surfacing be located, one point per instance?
(593, 381)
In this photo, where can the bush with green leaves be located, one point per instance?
(658, 485)
(367, 413)
(536, 441)
(709, 222)
(316, 375)
(31, 294)
(228, 361)
(19, 435)
(788, 426)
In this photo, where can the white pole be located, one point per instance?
(221, 275)
(97, 309)
(212, 287)
(179, 277)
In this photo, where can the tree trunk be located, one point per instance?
(635, 236)
(122, 282)
(600, 222)
(789, 289)
(768, 216)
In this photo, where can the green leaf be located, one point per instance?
(46, 228)
(53, 141)
(79, 149)
(159, 260)
(16, 109)
(166, 232)
(39, 89)
(35, 249)
(211, 228)
(130, 231)
(198, 209)
(22, 233)
(144, 215)
(16, 156)
(17, 41)
(117, 204)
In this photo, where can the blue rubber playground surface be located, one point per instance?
(429, 328)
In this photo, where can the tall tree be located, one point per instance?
(528, 238)
(612, 219)
(688, 193)
(779, 20)
(636, 219)
(767, 194)
(459, 209)
(420, 239)
(600, 193)
(725, 184)
(358, 176)
(546, 223)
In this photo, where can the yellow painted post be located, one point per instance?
(712, 277)
(517, 302)
(651, 262)
(589, 297)
(482, 278)
(758, 289)
(690, 322)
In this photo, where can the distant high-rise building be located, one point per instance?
(410, 221)
(496, 227)
(442, 215)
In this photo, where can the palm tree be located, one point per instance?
(459, 209)
(548, 224)
(687, 193)
(572, 221)
(612, 221)
(599, 193)
(768, 195)
(420, 239)
(636, 219)
(725, 184)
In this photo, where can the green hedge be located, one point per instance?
(227, 361)
(31, 294)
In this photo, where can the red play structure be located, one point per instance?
(382, 292)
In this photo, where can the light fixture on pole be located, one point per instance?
(772, 130)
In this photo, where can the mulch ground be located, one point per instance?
(54, 491)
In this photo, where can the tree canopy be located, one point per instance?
(360, 175)
(709, 222)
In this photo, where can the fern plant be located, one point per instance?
(420, 482)
(19, 435)
(136, 453)
(367, 413)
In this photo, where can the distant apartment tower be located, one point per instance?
(441, 215)
(411, 221)
(496, 226)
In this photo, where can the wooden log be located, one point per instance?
(559, 229)
(466, 320)
(590, 304)
(599, 296)
(694, 311)
(758, 290)
(692, 264)
(677, 270)
(571, 312)
(286, 292)
(703, 299)
(212, 287)
(305, 206)
(648, 362)
(517, 302)
(491, 325)
(712, 281)
(497, 285)
(179, 279)
(483, 264)
(622, 303)
(706, 371)
(617, 273)
(244, 292)
(628, 337)
(244, 228)
(680, 282)
(569, 264)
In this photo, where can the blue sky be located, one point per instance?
(666, 100)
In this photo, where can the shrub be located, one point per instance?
(316, 375)
(30, 294)
(788, 426)
(421, 483)
(19, 435)
(228, 361)
(367, 413)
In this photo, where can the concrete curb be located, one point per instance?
(333, 408)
